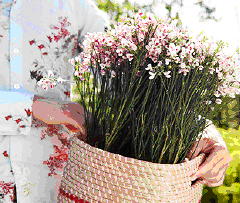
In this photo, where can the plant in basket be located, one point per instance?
(147, 88)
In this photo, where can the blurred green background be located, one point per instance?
(225, 116)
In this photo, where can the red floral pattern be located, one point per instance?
(7, 188)
(57, 160)
(67, 93)
(5, 154)
(8, 117)
(28, 112)
(19, 121)
(51, 49)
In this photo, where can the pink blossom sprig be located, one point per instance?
(168, 47)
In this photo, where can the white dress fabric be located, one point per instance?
(37, 36)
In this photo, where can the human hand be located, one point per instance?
(67, 113)
(212, 171)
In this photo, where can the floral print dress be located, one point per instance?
(37, 38)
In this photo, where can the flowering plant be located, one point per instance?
(148, 87)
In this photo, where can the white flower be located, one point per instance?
(72, 61)
(167, 74)
(160, 63)
(133, 46)
(167, 61)
(173, 49)
(60, 80)
(152, 75)
(183, 65)
(200, 67)
(232, 95)
(199, 117)
(211, 70)
(218, 101)
(217, 94)
(77, 59)
(50, 73)
(113, 74)
(102, 65)
(208, 102)
(76, 73)
(149, 67)
(125, 42)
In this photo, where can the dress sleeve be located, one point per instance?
(211, 132)
(15, 112)
(89, 17)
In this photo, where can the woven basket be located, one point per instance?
(95, 175)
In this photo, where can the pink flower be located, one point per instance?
(120, 51)
(103, 72)
(130, 57)
(169, 45)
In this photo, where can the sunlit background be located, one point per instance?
(218, 19)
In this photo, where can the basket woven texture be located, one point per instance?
(95, 175)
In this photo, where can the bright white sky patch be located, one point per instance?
(227, 12)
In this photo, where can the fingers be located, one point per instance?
(76, 123)
(218, 180)
(212, 171)
(71, 114)
(207, 167)
(77, 120)
(204, 145)
(75, 108)
(74, 114)
(214, 181)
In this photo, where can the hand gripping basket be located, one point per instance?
(95, 175)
